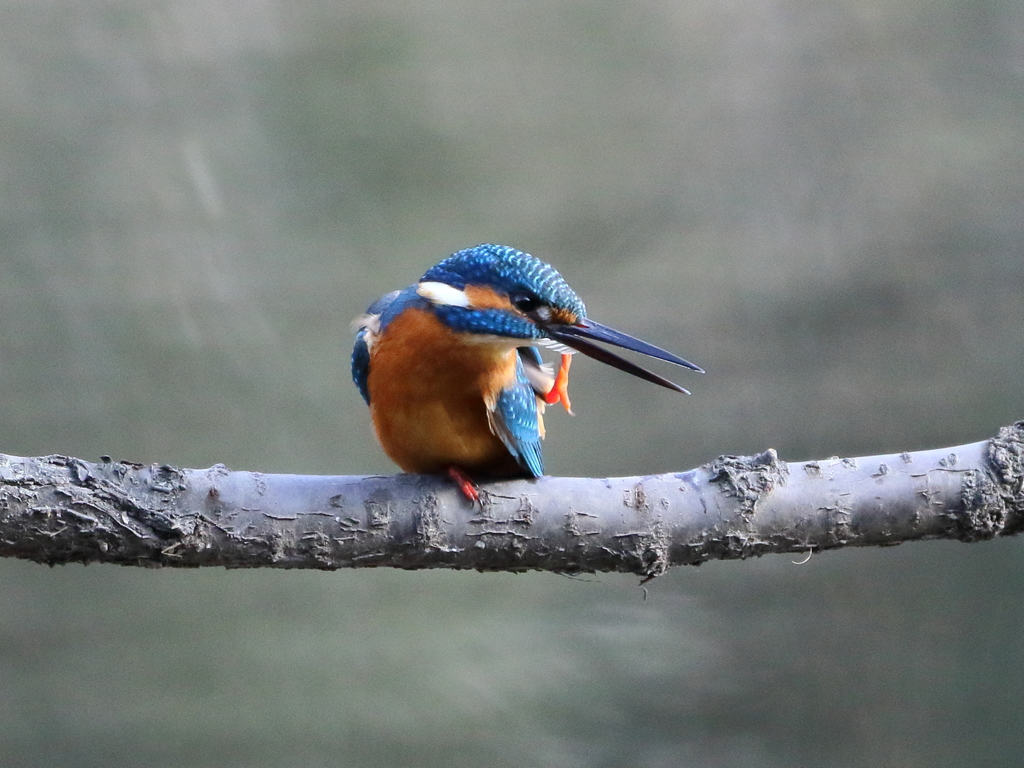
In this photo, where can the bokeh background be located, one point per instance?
(821, 203)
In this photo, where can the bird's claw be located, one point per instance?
(559, 392)
(466, 485)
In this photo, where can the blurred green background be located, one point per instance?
(821, 203)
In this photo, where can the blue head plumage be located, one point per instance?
(528, 281)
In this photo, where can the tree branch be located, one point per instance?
(56, 509)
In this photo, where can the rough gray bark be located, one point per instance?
(56, 509)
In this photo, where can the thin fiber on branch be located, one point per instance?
(57, 509)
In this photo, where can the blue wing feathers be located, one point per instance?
(518, 424)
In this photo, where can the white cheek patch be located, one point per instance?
(442, 293)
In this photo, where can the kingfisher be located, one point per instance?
(451, 370)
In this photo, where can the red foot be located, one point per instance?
(560, 389)
(467, 486)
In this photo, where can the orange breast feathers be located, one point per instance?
(429, 393)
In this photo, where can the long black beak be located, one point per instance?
(584, 333)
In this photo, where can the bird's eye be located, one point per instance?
(524, 302)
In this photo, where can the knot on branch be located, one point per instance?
(1006, 463)
(748, 478)
(984, 513)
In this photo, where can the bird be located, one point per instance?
(452, 374)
